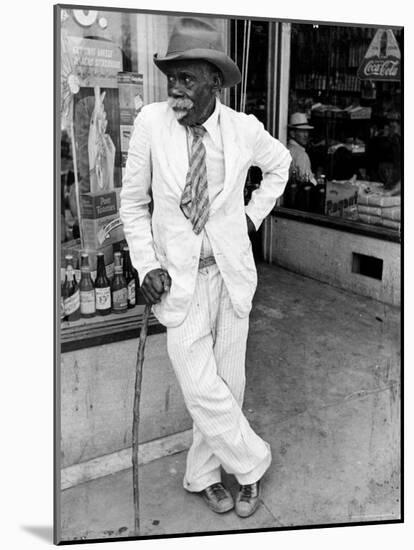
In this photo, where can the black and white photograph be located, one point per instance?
(228, 273)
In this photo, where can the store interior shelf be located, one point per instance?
(106, 329)
(309, 89)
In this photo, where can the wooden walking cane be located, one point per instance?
(135, 421)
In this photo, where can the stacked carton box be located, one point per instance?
(101, 225)
(340, 197)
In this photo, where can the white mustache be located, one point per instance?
(180, 103)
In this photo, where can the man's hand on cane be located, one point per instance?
(155, 283)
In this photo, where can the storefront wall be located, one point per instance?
(328, 255)
(97, 383)
(97, 392)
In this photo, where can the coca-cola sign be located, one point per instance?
(383, 58)
(379, 67)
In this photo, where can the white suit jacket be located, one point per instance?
(156, 171)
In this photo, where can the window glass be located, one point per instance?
(107, 74)
(344, 128)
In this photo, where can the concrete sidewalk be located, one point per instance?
(323, 388)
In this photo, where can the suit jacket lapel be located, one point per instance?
(176, 152)
(231, 155)
(175, 149)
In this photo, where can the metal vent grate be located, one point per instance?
(367, 265)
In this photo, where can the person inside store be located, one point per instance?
(299, 132)
(384, 153)
(343, 166)
(191, 247)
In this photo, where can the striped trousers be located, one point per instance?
(207, 352)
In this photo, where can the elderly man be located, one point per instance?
(299, 130)
(190, 157)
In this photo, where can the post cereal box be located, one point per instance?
(101, 225)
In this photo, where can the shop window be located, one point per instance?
(103, 86)
(106, 75)
(345, 123)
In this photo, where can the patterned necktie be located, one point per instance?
(195, 200)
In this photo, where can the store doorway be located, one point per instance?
(249, 47)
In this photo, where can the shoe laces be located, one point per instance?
(218, 491)
(246, 492)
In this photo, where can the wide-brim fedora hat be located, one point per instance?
(299, 121)
(194, 38)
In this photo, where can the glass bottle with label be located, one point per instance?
(87, 289)
(321, 194)
(291, 190)
(62, 294)
(76, 269)
(138, 294)
(129, 277)
(307, 193)
(102, 288)
(62, 303)
(119, 288)
(71, 295)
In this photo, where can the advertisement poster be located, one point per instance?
(383, 58)
(95, 64)
(96, 113)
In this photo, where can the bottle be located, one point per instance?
(303, 195)
(138, 295)
(321, 194)
(63, 296)
(383, 44)
(102, 287)
(119, 288)
(62, 303)
(290, 194)
(87, 289)
(71, 295)
(76, 269)
(129, 277)
(307, 194)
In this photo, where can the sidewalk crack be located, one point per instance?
(359, 394)
(277, 522)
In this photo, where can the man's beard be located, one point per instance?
(180, 106)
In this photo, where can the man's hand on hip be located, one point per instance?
(155, 283)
